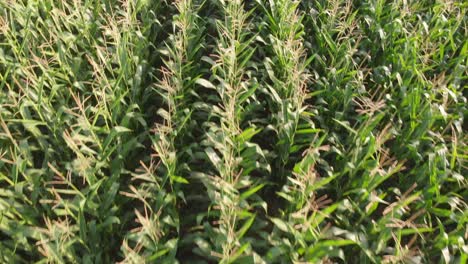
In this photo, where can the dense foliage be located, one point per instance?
(206, 131)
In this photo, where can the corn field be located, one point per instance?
(230, 131)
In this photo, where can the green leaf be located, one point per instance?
(283, 226)
(121, 129)
(213, 156)
(179, 179)
(245, 227)
(205, 83)
(251, 191)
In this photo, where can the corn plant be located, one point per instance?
(230, 131)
